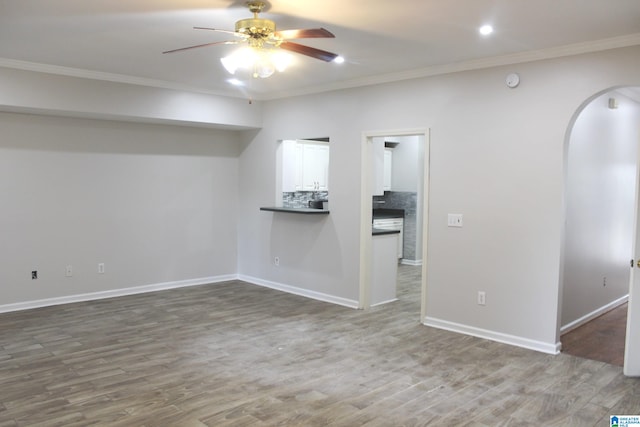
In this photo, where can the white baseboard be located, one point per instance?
(494, 336)
(595, 313)
(300, 291)
(411, 261)
(384, 302)
(115, 293)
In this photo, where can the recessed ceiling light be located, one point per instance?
(485, 30)
(338, 59)
(235, 82)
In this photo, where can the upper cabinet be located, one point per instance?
(290, 167)
(382, 167)
(315, 166)
(305, 166)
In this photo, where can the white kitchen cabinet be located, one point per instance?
(315, 166)
(377, 153)
(305, 166)
(384, 269)
(382, 167)
(392, 224)
(291, 167)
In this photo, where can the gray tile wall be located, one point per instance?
(407, 200)
(300, 199)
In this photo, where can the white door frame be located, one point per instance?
(366, 193)
(631, 366)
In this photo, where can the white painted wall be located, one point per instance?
(496, 157)
(155, 203)
(601, 179)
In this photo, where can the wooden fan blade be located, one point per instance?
(309, 51)
(220, 31)
(200, 45)
(310, 33)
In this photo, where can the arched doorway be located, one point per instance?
(601, 163)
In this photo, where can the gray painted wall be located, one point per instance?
(154, 203)
(497, 156)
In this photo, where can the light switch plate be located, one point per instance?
(454, 220)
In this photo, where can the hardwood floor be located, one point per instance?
(601, 339)
(234, 354)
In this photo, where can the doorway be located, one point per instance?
(600, 177)
(411, 271)
(601, 339)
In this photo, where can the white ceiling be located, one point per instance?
(381, 39)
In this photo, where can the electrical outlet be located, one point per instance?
(101, 268)
(34, 274)
(454, 220)
(482, 298)
(276, 261)
(69, 271)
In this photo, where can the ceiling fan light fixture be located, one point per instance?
(266, 50)
(263, 69)
(261, 62)
(281, 60)
(243, 59)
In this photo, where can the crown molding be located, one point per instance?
(103, 76)
(477, 64)
(496, 61)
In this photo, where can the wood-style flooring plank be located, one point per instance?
(234, 354)
(603, 338)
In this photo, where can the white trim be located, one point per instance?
(366, 219)
(595, 313)
(384, 302)
(475, 64)
(411, 261)
(366, 171)
(58, 70)
(470, 65)
(494, 336)
(27, 305)
(300, 291)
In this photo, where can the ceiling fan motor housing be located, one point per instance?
(261, 33)
(256, 27)
(258, 30)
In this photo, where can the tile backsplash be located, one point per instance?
(300, 199)
(407, 200)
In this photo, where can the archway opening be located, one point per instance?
(600, 217)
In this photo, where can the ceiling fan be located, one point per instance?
(261, 33)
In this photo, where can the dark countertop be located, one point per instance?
(306, 211)
(380, 231)
(388, 213)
